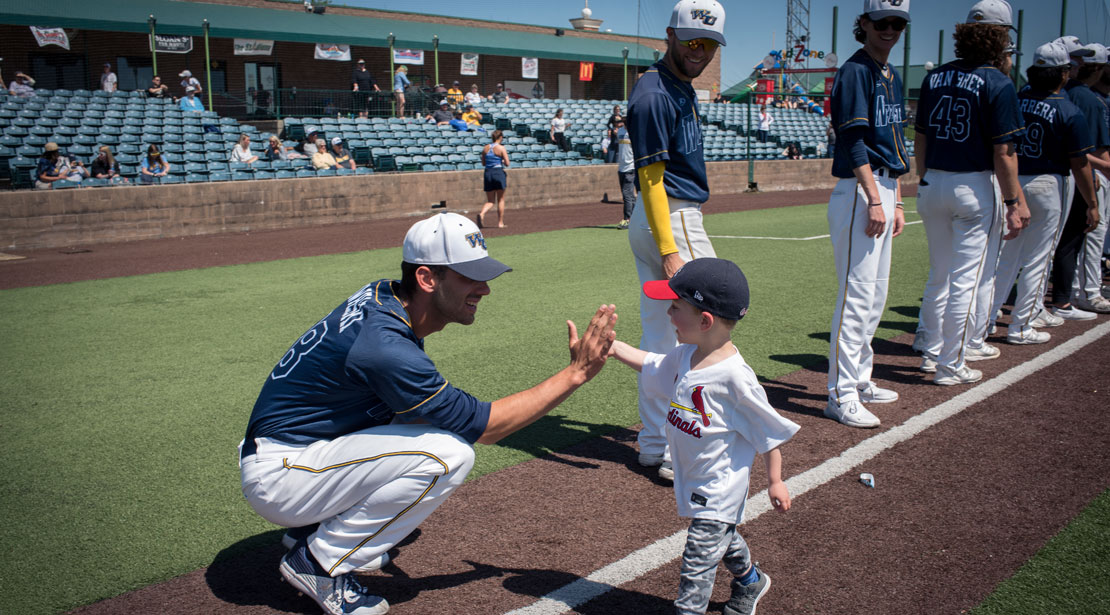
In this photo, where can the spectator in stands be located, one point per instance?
(495, 159)
(616, 117)
(362, 82)
(455, 95)
(765, 121)
(22, 85)
(609, 143)
(558, 131)
(830, 138)
(189, 81)
(322, 159)
(400, 82)
(191, 102)
(108, 80)
(308, 146)
(104, 166)
(242, 151)
(442, 115)
(626, 172)
(792, 152)
(473, 97)
(342, 155)
(473, 117)
(500, 96)
(52, 167)
(157, 89)
(275, 150)
(154, 165)
(458, 123)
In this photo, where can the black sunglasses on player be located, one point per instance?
(890, 22)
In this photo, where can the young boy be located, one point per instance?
(719, 418)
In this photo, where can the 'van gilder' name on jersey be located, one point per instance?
(1038, 108)
(964, 81)
(887, 114)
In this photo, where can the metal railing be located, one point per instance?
(306, 102)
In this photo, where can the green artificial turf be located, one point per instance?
(123, 400)
(1069, 576)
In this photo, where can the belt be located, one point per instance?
(882, 172)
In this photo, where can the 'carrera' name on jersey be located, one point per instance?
(964, 81)
(1038, 108)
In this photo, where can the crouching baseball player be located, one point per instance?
(356, 431)
(718, 419)
(865, 210)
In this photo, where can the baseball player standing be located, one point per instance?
(1056, 141)
(1077, 276)
(967, 126)
(356, 431)
(666, 228)
(865, 209)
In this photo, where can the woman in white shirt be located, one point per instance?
(558, 130)
(473, 97)
(765, 121)
(242, 150)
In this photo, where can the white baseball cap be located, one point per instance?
(336, 140)
(698, 19)
(1074, 47)
(454, 241)
(881, 9)
(1051, 55)
(1098, 55)
(185, 73)
(992, 12)
(190, 89)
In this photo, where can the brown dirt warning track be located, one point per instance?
(956, 509)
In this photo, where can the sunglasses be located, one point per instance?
(897, 24)
(709, 44)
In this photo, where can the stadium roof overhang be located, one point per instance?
(226, 21)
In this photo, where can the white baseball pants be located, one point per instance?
(1088, 273)
(368, 490)
(657, 332)
(863, 273)
(963, 218)
(1031, 251)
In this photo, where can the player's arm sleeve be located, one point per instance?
(852, 91)
(404, 377)
(659, 372)
(1004, 118)
(755, 418)
(855, 141)
(657, 207)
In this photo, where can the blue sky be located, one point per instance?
(751, 26)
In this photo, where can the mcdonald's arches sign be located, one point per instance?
(585, 71)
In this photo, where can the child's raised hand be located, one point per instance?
(780, 496)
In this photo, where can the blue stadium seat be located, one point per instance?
(263, 175)
(63, 184)
(325, 172)
(285, 174)
(196, 178)
(172, 179)
(241, 176)
(219, 177)
(306, 172)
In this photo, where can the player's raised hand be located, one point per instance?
(589, 353)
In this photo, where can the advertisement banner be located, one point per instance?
(253, 47)
(50, 36)
(172, 44)
(585, 71)
(530, 68)
(408, 56)
(469, 64)
(327, 51)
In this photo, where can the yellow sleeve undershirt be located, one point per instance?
(657, 207)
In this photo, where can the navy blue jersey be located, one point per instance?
(868, 106)
(965, 111)
(1055, 132)
(663, 124)
(358, 368)
(1093, 106)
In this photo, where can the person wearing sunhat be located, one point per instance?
(188, 80)
(358, 395)
(52, 167)
(153, 166)
(191, 103)
(670, 174)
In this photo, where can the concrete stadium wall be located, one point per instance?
(64, 218)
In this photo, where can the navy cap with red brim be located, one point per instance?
(660, 289)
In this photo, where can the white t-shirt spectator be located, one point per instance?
(108, 82)
(558, 124)
(765, 120)
(624, 151)
(241, 154)
(473, 98)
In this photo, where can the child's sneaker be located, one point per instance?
(745, 597)
(1074, 313)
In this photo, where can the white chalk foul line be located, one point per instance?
(784, 238)
(667, 549)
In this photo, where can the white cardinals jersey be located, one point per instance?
(718, 419)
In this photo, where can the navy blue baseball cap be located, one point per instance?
(712, 285)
